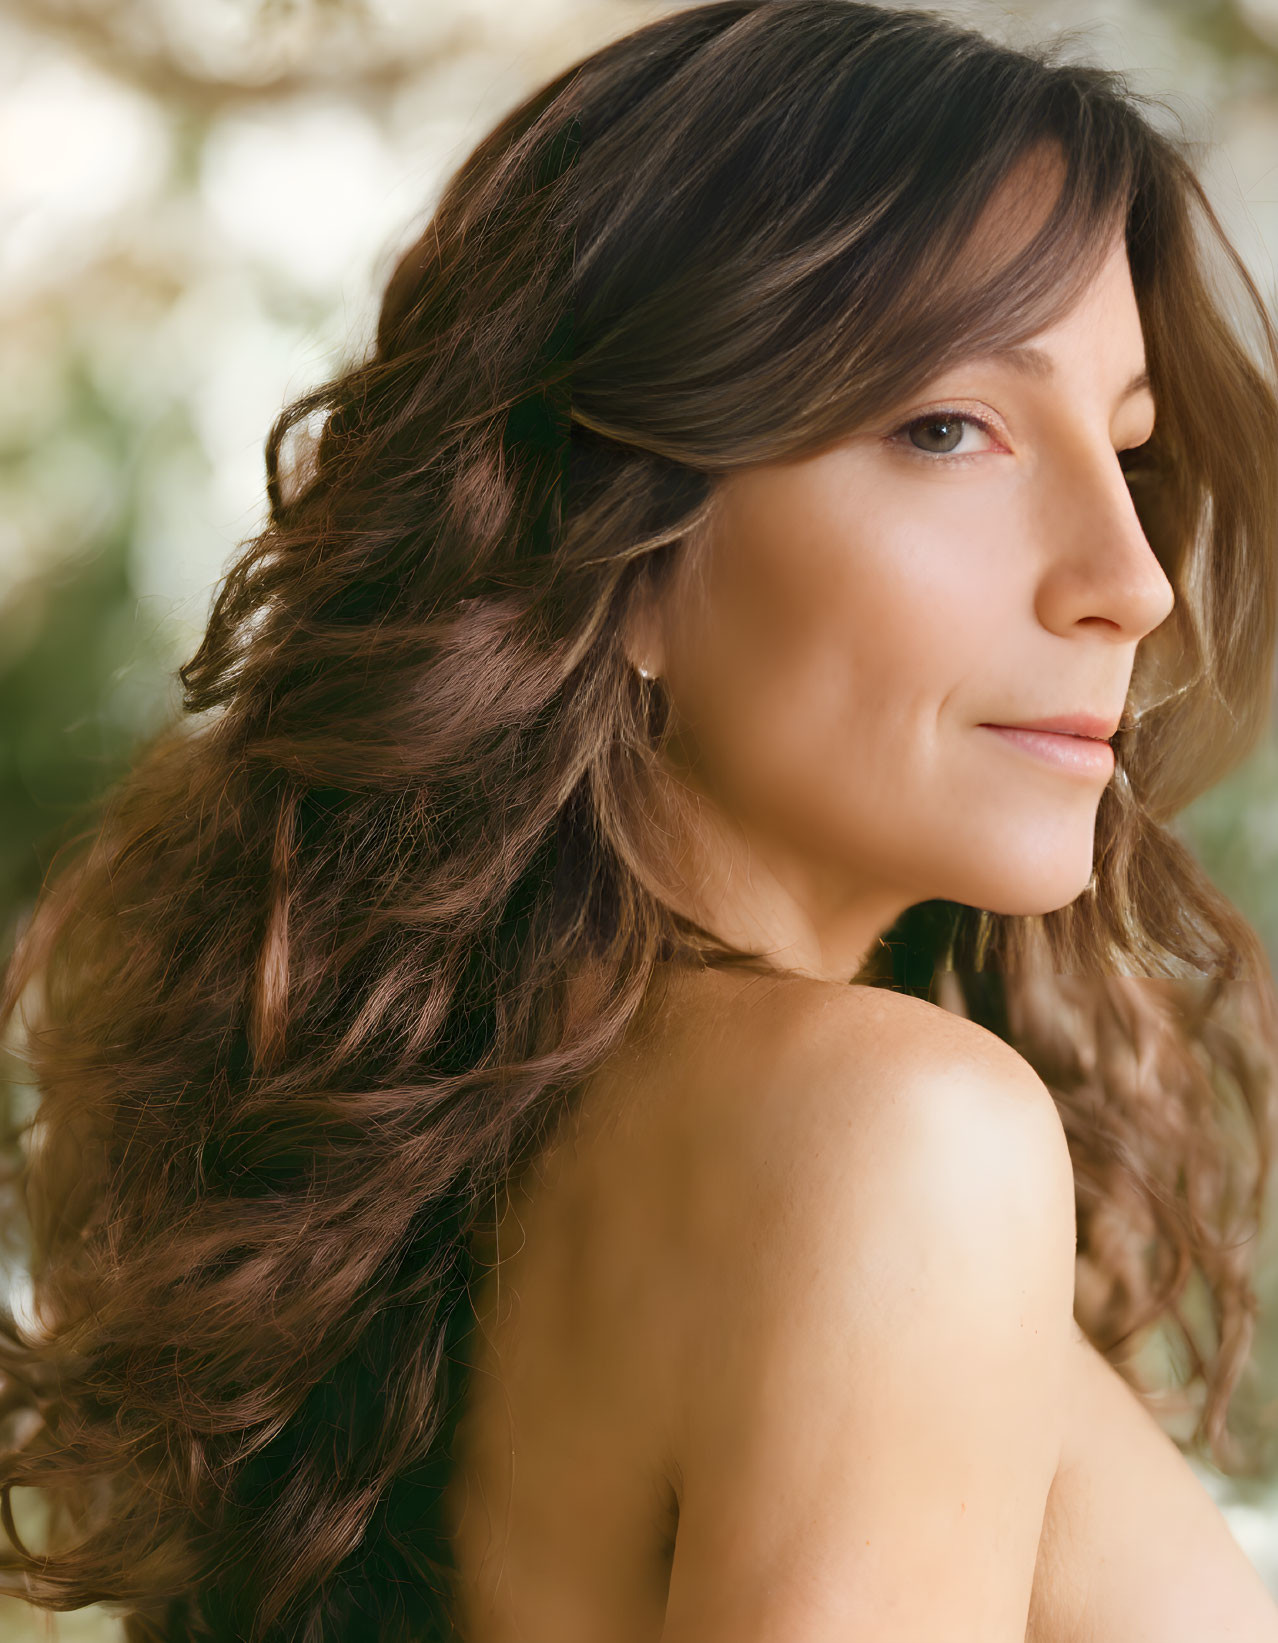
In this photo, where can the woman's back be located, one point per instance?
(586, 1409)
(616, 1255)
(565, 1482)
(562, 1485)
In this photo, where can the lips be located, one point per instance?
(1068, 750)
(1088, 725)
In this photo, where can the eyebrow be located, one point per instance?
(1037, 362)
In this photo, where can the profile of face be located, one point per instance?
(858, 620)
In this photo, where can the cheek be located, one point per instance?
(829, 637)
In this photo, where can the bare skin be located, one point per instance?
(574, 1451)
(705, 1407)
(836, 650)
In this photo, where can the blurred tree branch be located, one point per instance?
(1226, 27)
(129, 40)
(338, 45)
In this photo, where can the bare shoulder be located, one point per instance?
(821, 1107)
(893, 1085)
(797, 1077)
(879, 1279)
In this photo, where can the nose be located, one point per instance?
(1100, 570)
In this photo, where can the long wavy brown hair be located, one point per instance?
(332, 959)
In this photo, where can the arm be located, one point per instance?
(1138, 1547)
(874, 1388)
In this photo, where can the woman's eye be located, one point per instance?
(939, 433)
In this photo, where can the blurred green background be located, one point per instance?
(199, 200)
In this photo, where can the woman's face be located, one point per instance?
(859, 619)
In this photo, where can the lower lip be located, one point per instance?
(1083, 754)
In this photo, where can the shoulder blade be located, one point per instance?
(874, 1376)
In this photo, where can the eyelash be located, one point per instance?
(1129, 458)
(943, 415)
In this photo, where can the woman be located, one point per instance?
(569, 1086)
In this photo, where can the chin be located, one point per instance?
(1033, 904)
(1033, 889)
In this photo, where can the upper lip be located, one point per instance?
(1070, 724)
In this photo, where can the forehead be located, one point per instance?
(1104, 306)
(1016, 211)
(1103, 312)
(1104, 319)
